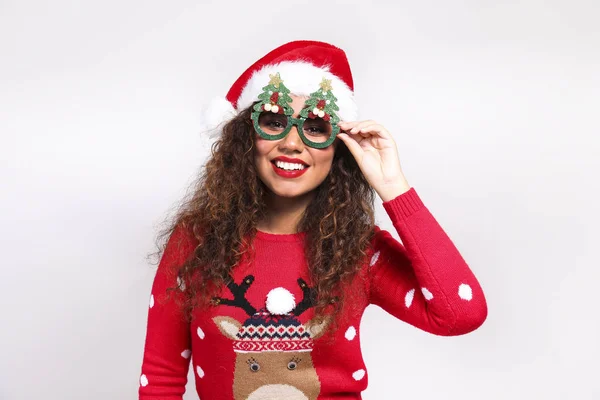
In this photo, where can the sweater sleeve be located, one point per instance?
(167, 348)
(424, 281)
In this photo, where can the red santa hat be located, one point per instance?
(302, 65)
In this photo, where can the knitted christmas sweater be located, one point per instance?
(259, 342)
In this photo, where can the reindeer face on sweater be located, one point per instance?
(273, 349)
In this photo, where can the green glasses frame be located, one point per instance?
(299, 122)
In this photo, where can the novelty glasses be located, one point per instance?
(316, 124)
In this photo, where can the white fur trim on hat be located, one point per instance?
(216, 112)
(302, 79)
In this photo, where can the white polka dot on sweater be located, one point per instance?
(151, 300)
(143, 380)
(374, 258)
(426, 293)
(200, 333)
(350, 333)
(186, 353)
(409, 297)
(358, 375)
(199, 371)
(465, 292)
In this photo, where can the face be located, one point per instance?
(316, 162)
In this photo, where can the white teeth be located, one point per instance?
(289, 166)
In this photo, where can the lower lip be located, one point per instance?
(289, 174)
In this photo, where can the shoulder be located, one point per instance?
(181, 243)
(379, 236)
(375, 244)
(384, 242)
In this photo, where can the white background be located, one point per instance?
(495, 110)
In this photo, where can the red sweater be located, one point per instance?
(258, 343)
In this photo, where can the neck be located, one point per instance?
(283, 213)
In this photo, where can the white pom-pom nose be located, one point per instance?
(280, 301)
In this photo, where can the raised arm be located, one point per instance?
(167, 349)
(425, 282)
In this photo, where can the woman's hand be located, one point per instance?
(376, 154)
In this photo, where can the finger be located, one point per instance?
(375, 129)
(347, 125)
(368, 131)
(354, 136)
(361, 125)
(378, 130)
(352, 145)
(372, 127)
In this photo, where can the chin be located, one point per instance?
(289, 193)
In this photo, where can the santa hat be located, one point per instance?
(302, 65)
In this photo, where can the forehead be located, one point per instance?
(299, 99)
(298, 103)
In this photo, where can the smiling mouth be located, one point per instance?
(274, 162)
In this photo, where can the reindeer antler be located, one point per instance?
(239, 295)
(308, 299)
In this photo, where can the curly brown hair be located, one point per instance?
(225, 204)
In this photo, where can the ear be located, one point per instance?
(228, 326)
(317, 330)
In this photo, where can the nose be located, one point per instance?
(292, 140)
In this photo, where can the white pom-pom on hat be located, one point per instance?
(280, 301)
(215, 113)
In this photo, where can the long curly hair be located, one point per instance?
(225, 203)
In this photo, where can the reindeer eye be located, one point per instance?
(292, 365)
(254, 367)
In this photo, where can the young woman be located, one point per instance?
(271, 262)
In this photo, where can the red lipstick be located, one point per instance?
(289, 174)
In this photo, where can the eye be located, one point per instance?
(317, 127)
(313, 129)
(293, 364)
(275, 124)
(253, 364)
(254, 367)
(272, 121)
